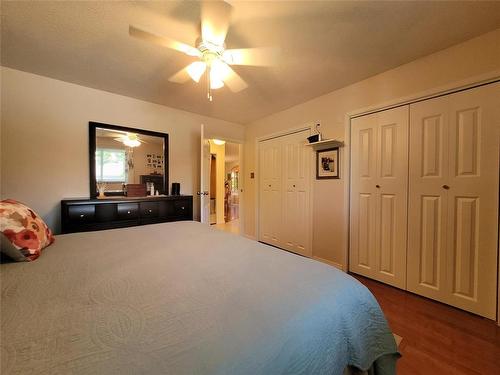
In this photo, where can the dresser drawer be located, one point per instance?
(127, 211)
(81, 213)
(182, 207)
(150, 209)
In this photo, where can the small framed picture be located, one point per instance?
(327, 163)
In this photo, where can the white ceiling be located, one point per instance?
(324, 46)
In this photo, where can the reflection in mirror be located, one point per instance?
(128, 162)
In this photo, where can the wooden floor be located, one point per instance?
(230, 227)
(438, 339)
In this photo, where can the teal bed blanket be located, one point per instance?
(182, 298)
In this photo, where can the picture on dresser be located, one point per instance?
(121, 156)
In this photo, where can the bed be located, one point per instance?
(183, 298)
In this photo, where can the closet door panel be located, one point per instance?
(362, 250)
(427, 213)
(270, 192)
(296, 175)
(391, 206)
(453, 207)
(473, 199)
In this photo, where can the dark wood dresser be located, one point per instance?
(80, 215)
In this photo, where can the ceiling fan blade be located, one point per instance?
(234, 81)
(182, 76)
(215, 17)
(265, 56)
(163, 41)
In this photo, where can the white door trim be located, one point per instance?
(241, 180)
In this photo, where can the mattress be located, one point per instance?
(183, 298)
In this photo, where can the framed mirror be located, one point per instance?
(126, 161)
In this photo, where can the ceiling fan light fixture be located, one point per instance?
(131, 140)
(216, 81)
(219, 70)
(216, 84)
(196, 70)
(131, 143)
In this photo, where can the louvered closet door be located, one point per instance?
(296, 184)
(454, 207)
(379, 170)
(270, 195)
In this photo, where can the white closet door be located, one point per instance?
(460, 268)
(296, 201)
(391, 207)
(379, 146)
(270, 207)
(363, 195)
(428, 200)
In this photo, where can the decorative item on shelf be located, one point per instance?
(327, 163)
(101, 188)
(316, 137)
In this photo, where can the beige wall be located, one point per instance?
(44, 138)
(473, 58)
(220, 153)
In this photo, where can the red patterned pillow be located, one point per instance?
(24, 233)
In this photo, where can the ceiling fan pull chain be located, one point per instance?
(209, 95)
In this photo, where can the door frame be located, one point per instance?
(450, 88)
(267, 137)
(241, 187)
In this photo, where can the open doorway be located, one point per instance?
(225, 165)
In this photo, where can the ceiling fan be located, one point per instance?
(213, 59)
(130, 140)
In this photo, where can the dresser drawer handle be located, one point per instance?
(82, 215)
(150, 210)
(128, 212)
(182, 208)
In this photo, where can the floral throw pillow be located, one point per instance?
(24, 233)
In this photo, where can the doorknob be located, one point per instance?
(377, 186)
(446, 187)
(198, 193)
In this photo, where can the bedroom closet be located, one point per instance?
(424, 197)
(284, 192)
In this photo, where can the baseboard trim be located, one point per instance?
(330, 262)
(249, 237)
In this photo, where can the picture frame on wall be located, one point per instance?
(327, 163)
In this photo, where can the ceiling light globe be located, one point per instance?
(196, 70)
(131, 142)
